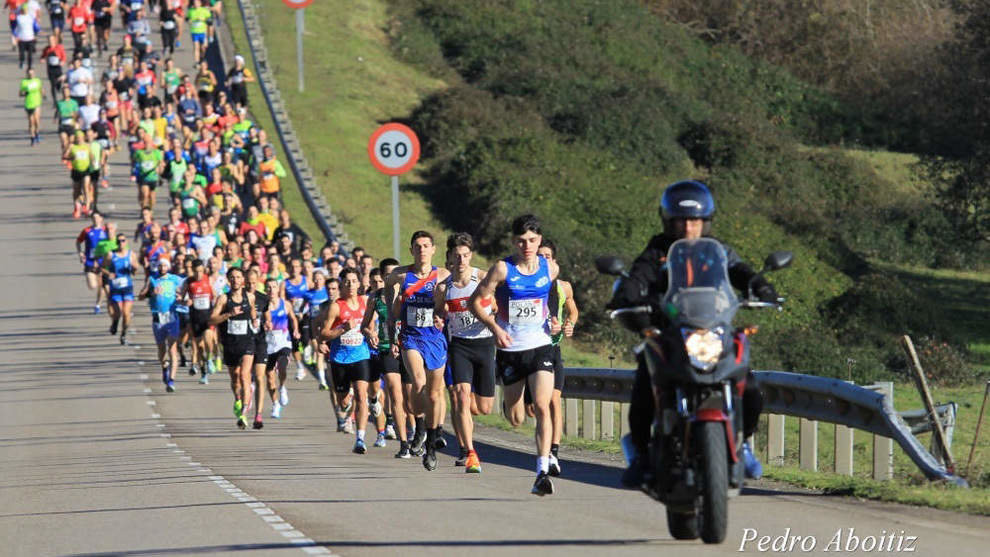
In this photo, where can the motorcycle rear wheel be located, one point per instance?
(682, 526)
(715, 478)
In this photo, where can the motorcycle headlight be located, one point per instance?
(704, 347)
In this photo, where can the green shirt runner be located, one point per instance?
(31, 87)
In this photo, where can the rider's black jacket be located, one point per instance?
(647, 280)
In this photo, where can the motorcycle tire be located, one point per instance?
(682, 526)
(714, 464)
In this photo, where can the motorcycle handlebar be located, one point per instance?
(754, 304)
(634, 309)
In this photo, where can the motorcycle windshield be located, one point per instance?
(699, 293)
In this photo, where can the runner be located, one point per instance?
(54, 55)
(560, 302)
(86, 244)
(80, 17)
(237, 79)
(163, 289)
(25, 31)
(349, 352)
(80, 159)
(33, 92)
(471, 353)
(201, 299)
(520, 284)
(315, 296)
(102, 21)
(234, 313)
(279, 346)
(98, 161)
(56, 13)
(259, 330)
(423, 345)
(66, 114)
(148, 164)
(199, 19)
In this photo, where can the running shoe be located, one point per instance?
(258, 423)
(542, 486)
(341, 425)
(417, 452)
(238, 408)
(390, 432)
(37, 138)
(403, 451)
(104, 183)
(170, 386)
(75, 211)
(165, 375)
(308, 356)
(182, 359)
(193, 370)
(218, 365)
(204, 380)
(462, 459)
(241, 422)
(753, 468)
(283, 396)
(417, 442)
(324, 387)
(276, 410)
(375, 408)
(123, 340)
(554, 466)
(210, 366)
(113, 328)
(473, 464)
(380, 441)
(440, 442)
(300, 373)
(96, 308)
(349, 426)
(430, 460)
(359, 447)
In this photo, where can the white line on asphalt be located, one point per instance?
(156, 416)
(193, 463)
(147, 390)
(316, 550)
(273, 518)
(263, 511)
(170, 445)
(215, 478)
(255, 505)
(279, 526)
(165, 435)
(159, 425)
(204, 470)
(144, 377)
(293, 534)
(151, 402)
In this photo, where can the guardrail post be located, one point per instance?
(608, 420)
(570, 417)
(843, 450)
(623, 419)
(775, 439)
(883, 447)
(809, 445)
(588, 421)
(497, 406)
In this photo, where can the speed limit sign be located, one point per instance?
(393, 149)
(297, 4)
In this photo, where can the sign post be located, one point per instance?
(299, 6)
(394, 150)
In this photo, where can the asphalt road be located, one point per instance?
(98, 459)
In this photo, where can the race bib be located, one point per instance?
(111, 105)
(189, 203)
(237, 326)
(297, 304)
(163, 317)
(352, 337)
(460, 321)
(148, 166)
(135, 6)
(80, 155)
(201, 302)
(314, 311)
(526, 312)
(168, 25)
(77, 21)
(54, 61)
(121, 282)
(419, 316)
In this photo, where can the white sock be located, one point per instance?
(322, 374)
(542, 464)
(360, 435)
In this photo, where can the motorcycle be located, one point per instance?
(697, 363)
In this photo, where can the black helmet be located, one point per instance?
(687, 199)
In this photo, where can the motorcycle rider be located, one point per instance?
(686, 209)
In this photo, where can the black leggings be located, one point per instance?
(25, 49)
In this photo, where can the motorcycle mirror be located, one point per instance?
(778, 260)
(610, 265)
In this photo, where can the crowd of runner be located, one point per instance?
(232, 282)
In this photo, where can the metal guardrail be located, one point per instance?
(311, 193)
(793, 394)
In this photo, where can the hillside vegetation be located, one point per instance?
(580, 111)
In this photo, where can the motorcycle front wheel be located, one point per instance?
(715, 481)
